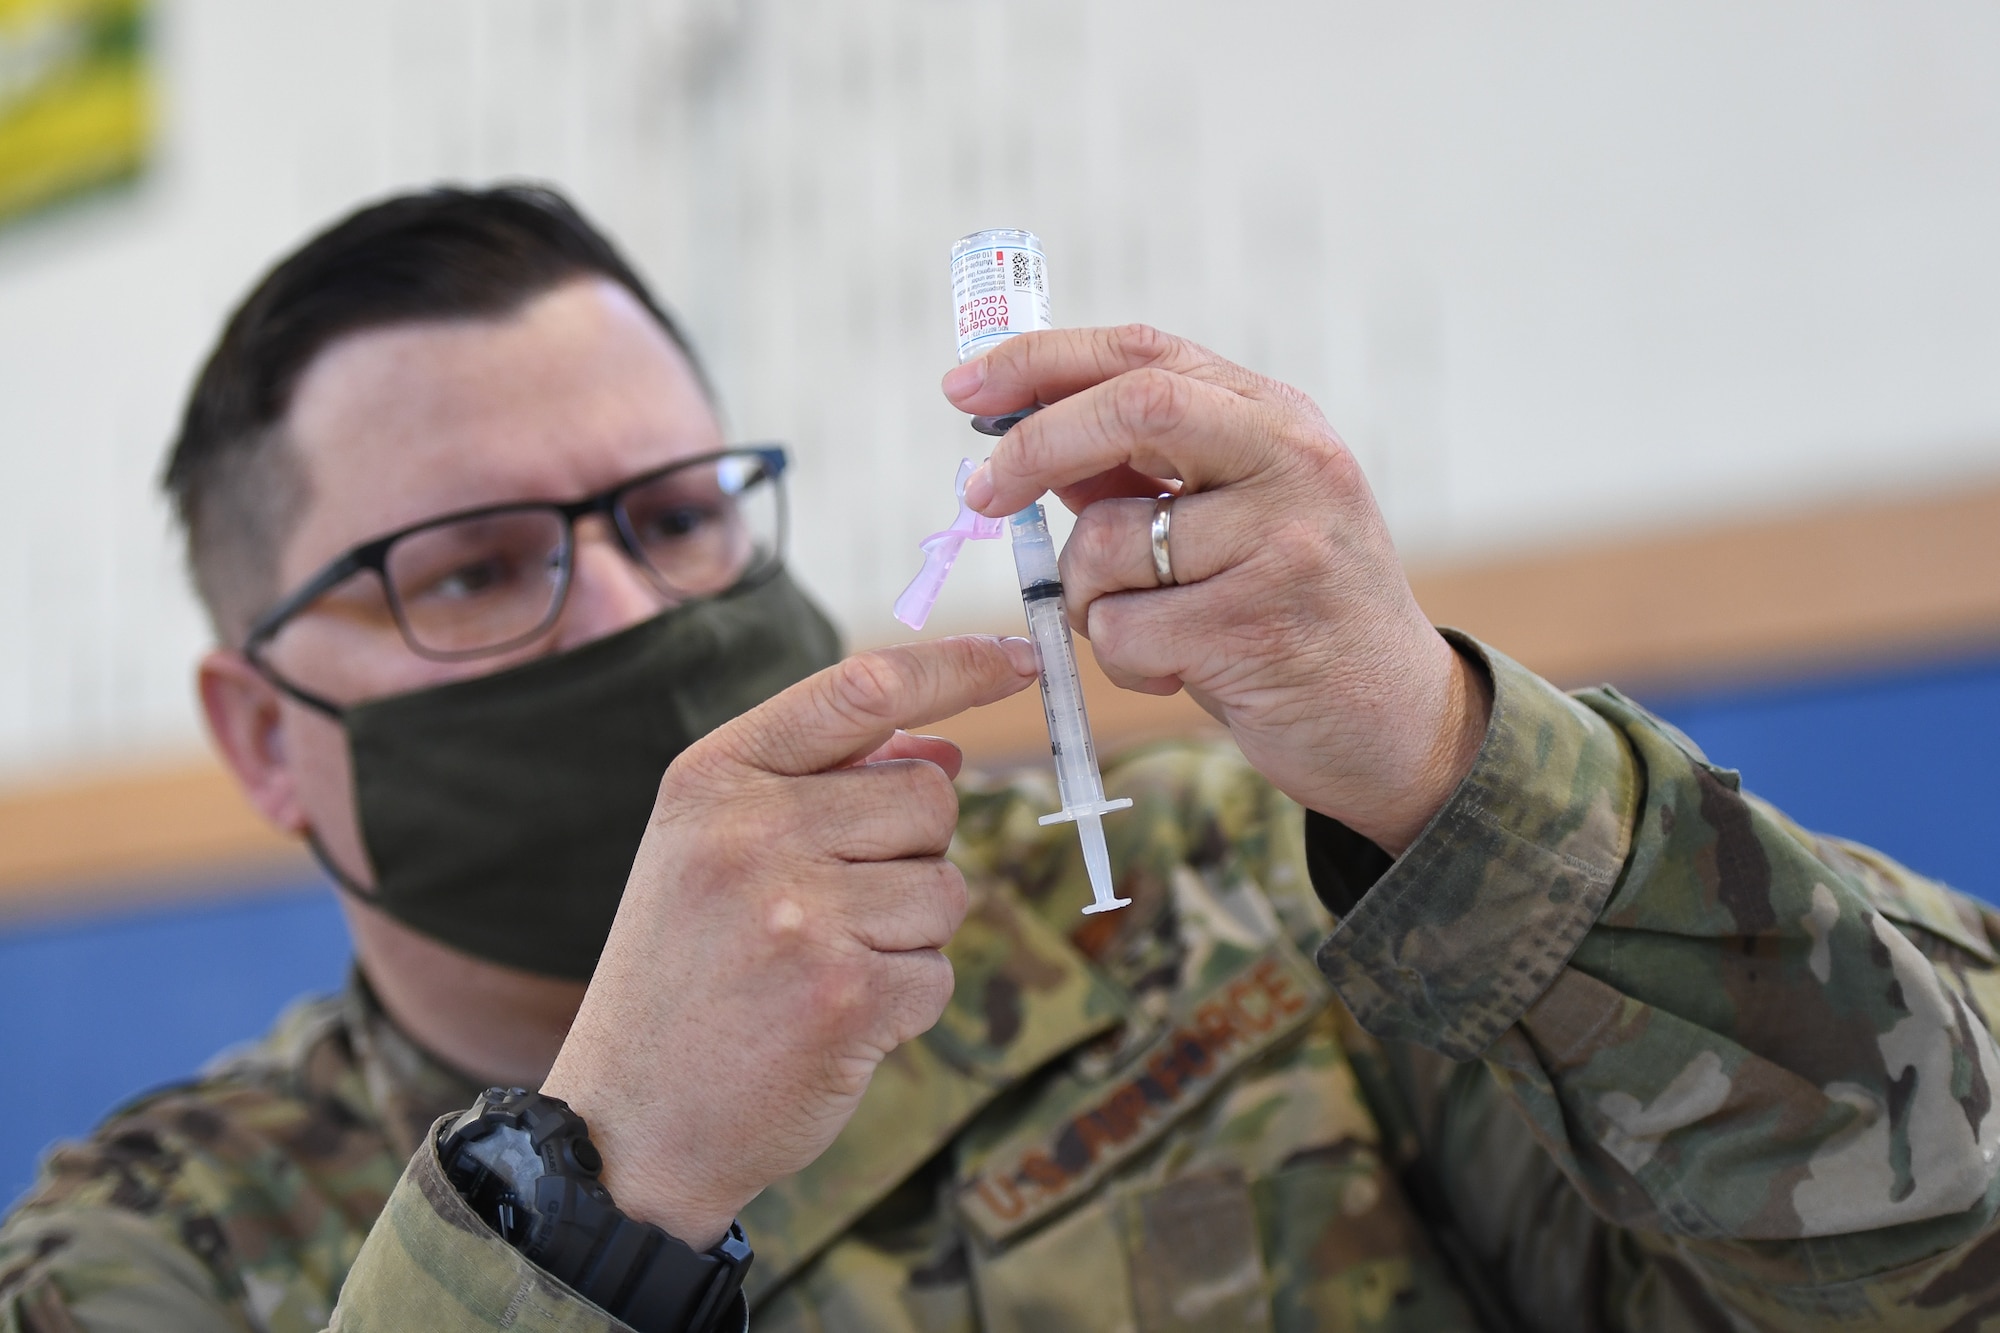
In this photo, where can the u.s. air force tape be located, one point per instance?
(1044, 1166)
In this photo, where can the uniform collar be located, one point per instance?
(409, 1087)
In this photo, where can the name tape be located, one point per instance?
(1234, 1021)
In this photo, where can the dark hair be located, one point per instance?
(443, 253)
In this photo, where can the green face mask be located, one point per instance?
(502, 814)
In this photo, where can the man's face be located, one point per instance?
(577, 390)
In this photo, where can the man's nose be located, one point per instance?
(607, 592)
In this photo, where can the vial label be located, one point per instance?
(1001, 288)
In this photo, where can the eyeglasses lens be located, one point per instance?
(703, 528)
(479, 583)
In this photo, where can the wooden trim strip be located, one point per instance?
(173, 830)
(1836, 587)
(183, 829)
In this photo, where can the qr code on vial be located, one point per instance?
(1027, 271)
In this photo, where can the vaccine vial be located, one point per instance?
(999, 286)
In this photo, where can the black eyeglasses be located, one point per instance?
(480, 582)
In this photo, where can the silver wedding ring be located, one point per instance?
(1163, 559)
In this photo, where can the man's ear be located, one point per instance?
(246, 719)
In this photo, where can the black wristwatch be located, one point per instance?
(525, 1164)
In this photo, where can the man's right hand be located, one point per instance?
(780, 934)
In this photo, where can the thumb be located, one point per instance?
(934, 749)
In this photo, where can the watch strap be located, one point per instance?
(645, 1276)
(525, 1163)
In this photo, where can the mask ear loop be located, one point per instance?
(327, 708)
(332, 870)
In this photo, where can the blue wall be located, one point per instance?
(94, 1010)
(1905, 761)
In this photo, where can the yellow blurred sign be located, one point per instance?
(75, 108)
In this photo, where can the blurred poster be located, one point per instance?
(74, 103)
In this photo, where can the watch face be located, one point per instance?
(509, 1155)
(495, 1173)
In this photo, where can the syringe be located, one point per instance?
(1078, 782)
(999, 287)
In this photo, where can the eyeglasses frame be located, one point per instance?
(372, 556)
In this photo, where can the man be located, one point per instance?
(1601, 1042)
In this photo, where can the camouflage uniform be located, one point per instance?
(1613, 1046)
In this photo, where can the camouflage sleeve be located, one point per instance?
(1668, 1054)
(427, 1263)
(183, 1213)
(106, 1270)
(430, 1263)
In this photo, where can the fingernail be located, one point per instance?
(1021, 655)
(979, 487)
(964, 381)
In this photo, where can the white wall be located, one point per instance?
(1553, 270)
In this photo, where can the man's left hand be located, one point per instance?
(1292, 621)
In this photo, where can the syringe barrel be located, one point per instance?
(1077, 777)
